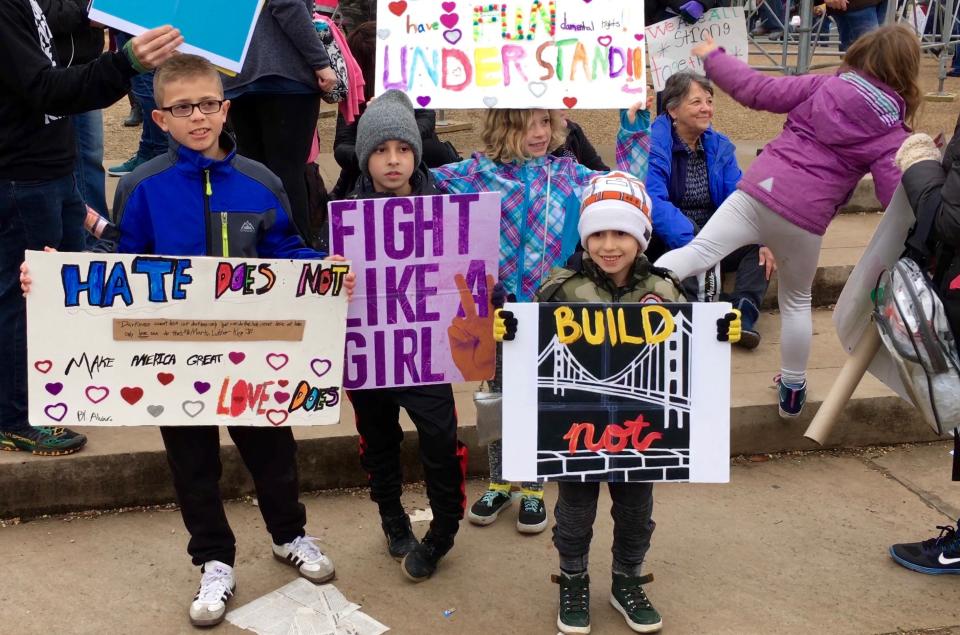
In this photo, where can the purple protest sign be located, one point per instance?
(425, 266)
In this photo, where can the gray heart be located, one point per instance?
(537, 88)
(489, 102)
(155, 411)
(383, 33)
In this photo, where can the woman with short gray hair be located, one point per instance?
(693, 169)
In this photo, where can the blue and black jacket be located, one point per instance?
(184, 204)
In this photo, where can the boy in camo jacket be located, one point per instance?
(614, 229)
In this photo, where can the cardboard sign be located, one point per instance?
(669, 42)
(512, 53)
(617, 392)
(124, 340)
(420, 313)
(219, 30)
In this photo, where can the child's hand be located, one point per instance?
(349, 281)
(25, 280)
(729, 327)
(637, 107)
(705, 48)
(504, 325)
(499, 296)
(767, 261)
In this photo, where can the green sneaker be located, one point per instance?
(574, 614)
(43, 441)
(126, 167)
(628, 597)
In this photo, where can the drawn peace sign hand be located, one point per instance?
(471, 337)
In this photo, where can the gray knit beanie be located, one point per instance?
(389, 117)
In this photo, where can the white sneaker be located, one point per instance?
(216, 588)
(304, 554)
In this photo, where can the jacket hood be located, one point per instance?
(853, 112)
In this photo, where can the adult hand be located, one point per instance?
(326, 79)
(471, 337)
(819, 9)
(767, 261)
(25, 280)
(839, 5)
(705, 48)
(349, 280)
(154, 47)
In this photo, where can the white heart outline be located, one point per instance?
(189, 405)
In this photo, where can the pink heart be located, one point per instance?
(449, 20)
(604, 40)
(453, 35)
(201, 386)
(56, 411)
(96, 394)
(638, 37)
(54, 388)
(44, 366)
(281, 396)
(236, 358)
(448, 7)
(276, 361)
(276, 417)
(317, 363)
(423, 101)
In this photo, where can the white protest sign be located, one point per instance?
(669, 42)
(512, 53)
(618, 392)
(117, 340)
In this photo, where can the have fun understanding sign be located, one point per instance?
(150, 340)
(513, 53)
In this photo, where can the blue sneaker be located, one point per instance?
(792, 398)
(935, 556)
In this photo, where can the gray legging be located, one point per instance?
(743, 220)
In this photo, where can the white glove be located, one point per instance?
(917, 147)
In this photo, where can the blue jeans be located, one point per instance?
(853, 24)
(89, 172)
(153, 140)
(33, 214)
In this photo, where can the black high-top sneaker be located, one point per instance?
(420, 564)
(399, 533)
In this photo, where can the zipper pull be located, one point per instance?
(206, 176)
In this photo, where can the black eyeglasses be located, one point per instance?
(207, 107)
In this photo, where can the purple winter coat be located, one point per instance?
(838, 128)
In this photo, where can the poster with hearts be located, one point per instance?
(126, 340)
(512, 53)
(421, 311)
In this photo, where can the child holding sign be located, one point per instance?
(839, 127)
(538, 230)
(389, 148)
(614, 228)
(189, 202)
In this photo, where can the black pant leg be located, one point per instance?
(193, 453)
(633, 524)
(244, 120)
(378, 422)
(433, 412)
(270, 455)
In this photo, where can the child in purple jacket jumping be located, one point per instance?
(838, 128)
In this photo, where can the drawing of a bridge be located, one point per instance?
(655, 376)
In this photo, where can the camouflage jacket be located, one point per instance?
(584, 281)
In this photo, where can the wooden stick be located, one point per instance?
(848, 380)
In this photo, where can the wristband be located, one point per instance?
(134, 62)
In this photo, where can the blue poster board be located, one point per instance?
(219, 30)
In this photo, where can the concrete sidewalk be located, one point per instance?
(794, 545)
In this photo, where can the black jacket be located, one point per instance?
(935, 188)
(579, 148)
(421, 183)
(76, 41)
(36, 141)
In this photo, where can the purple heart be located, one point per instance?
(449, 20)
(453, 35)
(236, 358)
(201, 386)
(281, 396)
(423, 101)
(56, 411)
(317, 364)
(448, 7)
(54, 388)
